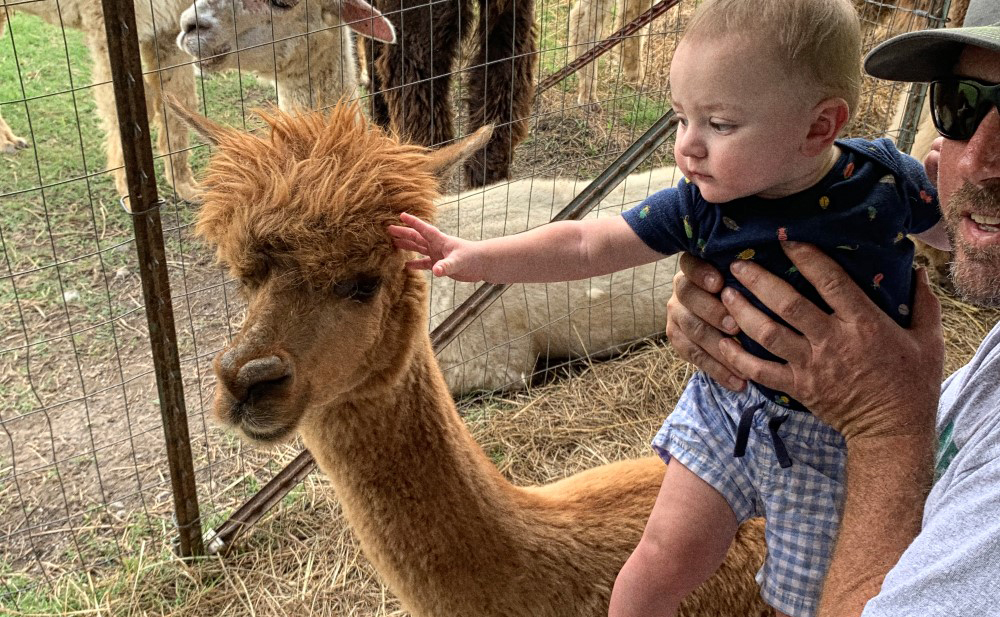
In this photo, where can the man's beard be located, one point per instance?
(975, 271)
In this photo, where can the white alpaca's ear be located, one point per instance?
(367, 21)
(440, 162)
(208, 129)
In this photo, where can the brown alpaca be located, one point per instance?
(335, 347)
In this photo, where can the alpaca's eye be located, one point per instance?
(359, 289)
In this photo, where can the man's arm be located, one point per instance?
(887, 482)
(873, 381)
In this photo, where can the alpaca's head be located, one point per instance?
(299, 217)
(224, 34)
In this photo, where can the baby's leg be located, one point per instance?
(686, 539)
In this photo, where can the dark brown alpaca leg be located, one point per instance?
(501, 85)
(415, 73)
(379, 108)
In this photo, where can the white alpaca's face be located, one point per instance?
(223, 34)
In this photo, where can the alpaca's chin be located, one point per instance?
(265, 423)
(270, 436)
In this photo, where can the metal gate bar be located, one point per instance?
(130, 99)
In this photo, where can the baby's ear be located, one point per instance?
(828, 118)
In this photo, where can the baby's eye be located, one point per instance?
(721, 127)
(682, 121)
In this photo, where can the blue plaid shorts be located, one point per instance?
(802, 503)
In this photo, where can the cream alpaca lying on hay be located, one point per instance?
(305, 50)
(545, 321)
(156, 23)
(335, 347)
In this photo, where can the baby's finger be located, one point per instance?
(443, 267)
(423, 228)
(397, 231)
(420, 264)
(408, 245)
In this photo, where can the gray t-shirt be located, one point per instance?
(953, 565)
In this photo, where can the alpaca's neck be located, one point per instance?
(415, 486)
(407, 450)
(324, 72)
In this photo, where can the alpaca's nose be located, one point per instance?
(196, 19)
(247, 380)
(190, 24)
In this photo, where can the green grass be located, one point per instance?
(60, 207)
(642, 111)
(553, 38)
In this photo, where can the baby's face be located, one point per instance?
(743, 119)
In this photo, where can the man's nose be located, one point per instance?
(980, 162)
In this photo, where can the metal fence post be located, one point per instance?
(130, 98)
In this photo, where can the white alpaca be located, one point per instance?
(307, 51)
(156, 23)
(588, 318)
(9, 142)
(588, 24)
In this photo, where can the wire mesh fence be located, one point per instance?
(84, 482)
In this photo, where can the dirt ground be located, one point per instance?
(83, 474)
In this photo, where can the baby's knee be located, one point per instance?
(657, 565)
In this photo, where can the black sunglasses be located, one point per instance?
(959, 105)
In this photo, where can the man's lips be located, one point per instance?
(980, 230)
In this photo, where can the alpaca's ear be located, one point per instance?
(208, 129)
(440, 162)
(367, 21)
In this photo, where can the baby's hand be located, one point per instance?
(446, 255)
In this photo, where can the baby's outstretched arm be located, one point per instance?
(561, 251)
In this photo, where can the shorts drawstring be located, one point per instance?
(743, 434)
(780, 450)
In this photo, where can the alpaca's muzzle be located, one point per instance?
(254, 379)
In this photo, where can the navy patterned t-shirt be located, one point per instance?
(859, 214)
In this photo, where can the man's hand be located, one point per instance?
(446, 255)
(856, 369)
(697, 321)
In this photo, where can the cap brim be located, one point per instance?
(929, 54)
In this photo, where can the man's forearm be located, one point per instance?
(888, 479)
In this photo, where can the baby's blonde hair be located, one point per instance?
(818, 39)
